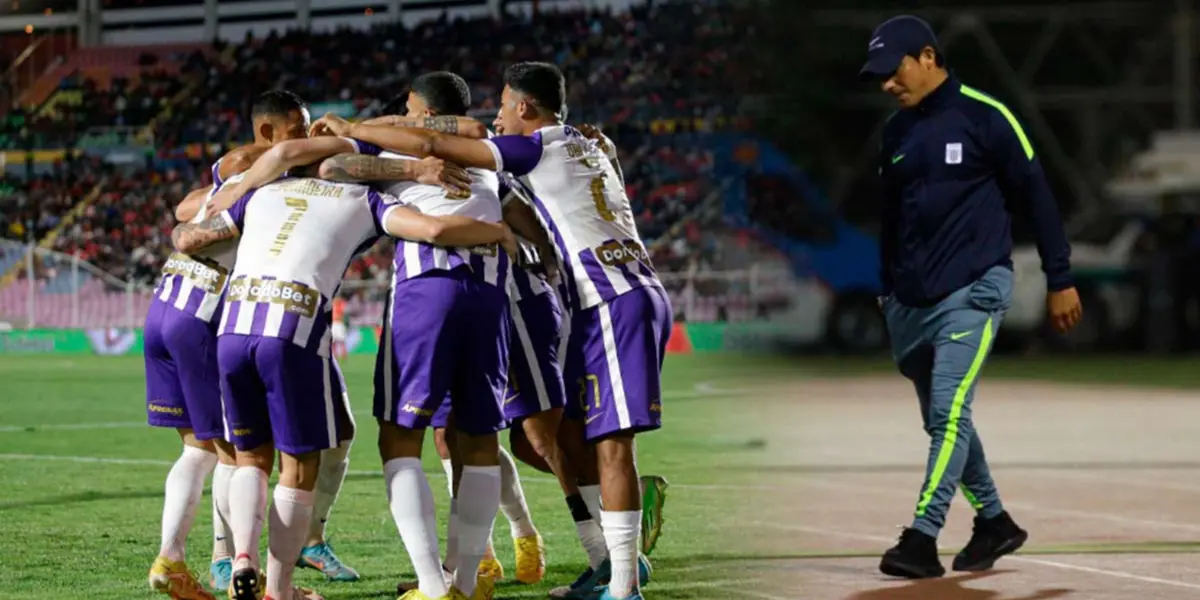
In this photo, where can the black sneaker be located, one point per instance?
(992, 539)
(914, 557)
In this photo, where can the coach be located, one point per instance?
(954, 163)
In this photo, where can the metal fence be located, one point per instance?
(45, 289)
(41, 288)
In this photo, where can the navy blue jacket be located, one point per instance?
(954, 169)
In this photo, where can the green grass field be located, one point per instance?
(82, 477)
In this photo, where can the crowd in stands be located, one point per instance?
(655, 79)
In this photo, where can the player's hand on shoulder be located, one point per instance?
(435, 171)
(330, 124)
(590, 131)
(1064, 309)
(509, 242)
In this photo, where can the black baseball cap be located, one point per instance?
(891, 41)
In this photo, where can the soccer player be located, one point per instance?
(440, 100)
(620, 314)
(181, 367)
(280, 386)
(455, 344)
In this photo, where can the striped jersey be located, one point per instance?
(195, 284)
(297, 238)
(414, 259)
(579, 198)
(523, 282)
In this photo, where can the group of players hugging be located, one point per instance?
(522, 296)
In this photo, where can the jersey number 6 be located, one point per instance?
(598, 189)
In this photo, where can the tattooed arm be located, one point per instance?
(464, 126)
(360, 167)
(190, 238)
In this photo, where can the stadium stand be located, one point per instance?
(659, 79)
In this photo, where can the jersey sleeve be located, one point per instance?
(216, 174)
(382, 205)
(235, 216)
(516, 154)
(361, 147)
(607, 146)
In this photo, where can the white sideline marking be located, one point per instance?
(1033, 561)
(1081, 514)
(703, 389)
(73, 426)
(360, 473)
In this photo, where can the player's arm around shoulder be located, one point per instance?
(406, 222)
(350, 167)
(236, 161)
(190, 238)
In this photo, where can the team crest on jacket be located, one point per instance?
(954, 153)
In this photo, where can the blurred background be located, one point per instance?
(749, 147)
(752, 178)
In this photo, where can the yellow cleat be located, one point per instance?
(531, 559)
(485, 589)
(490, 568)
(415, 594)
(175, 580)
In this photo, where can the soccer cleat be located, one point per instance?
(299, 593)
(654, 496)
(991, 539)
(220, 571)
(173, 578)
(490, 568)
(415, 594)
(605, 595)
(322, 558)
(531, 559)
(914, 557)
(407, 586)
(247, 584)
(586, 586)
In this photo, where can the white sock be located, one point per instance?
(290, 516)
(247, 504)
(452, 537)
(591, 497)
(512, 498)
(621, 532)
(448, 466)
(222, 534)
(478, 501)
(185, 485)
(330, 476)
(592, 539)
(411, 501)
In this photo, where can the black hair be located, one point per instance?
(444, 92)
(276, 103)
(542, 82)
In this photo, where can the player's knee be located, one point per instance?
(261, 457)
(226, 453)
(398, 442)
(300, 471)
(478, 450)
(616, 451)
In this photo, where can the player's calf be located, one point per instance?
(478, 500)
(621, 518)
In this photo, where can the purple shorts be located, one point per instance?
(614, 361)
(445, 334)
(182, 389)
(534, 379)
(278, 392)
